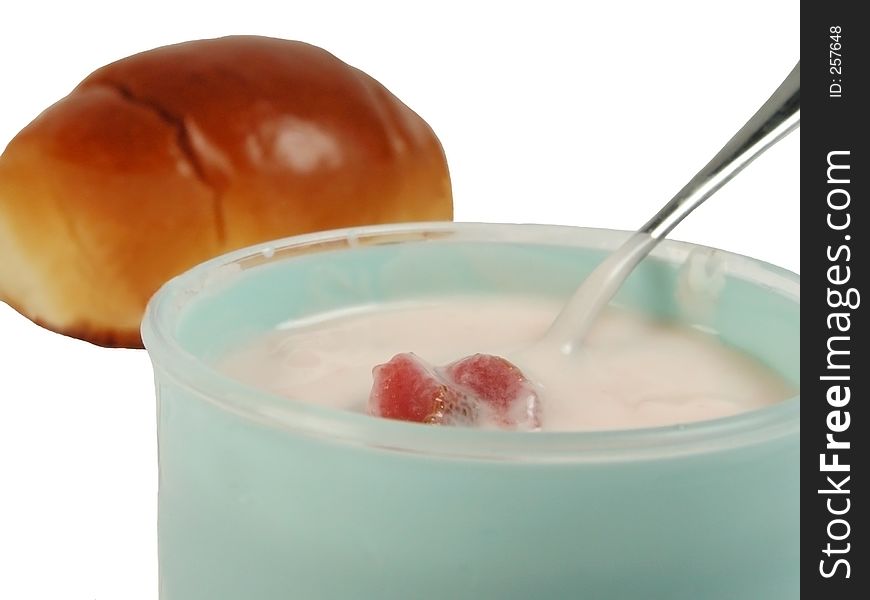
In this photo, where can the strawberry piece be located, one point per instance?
(408, 389)
(477, 390)
(501, 385)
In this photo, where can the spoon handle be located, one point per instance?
(774, 120)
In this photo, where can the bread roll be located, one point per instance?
(161, 160)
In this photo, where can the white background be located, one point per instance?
(587, 115)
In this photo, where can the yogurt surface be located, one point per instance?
(631, 372)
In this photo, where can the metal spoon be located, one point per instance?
(774, 120)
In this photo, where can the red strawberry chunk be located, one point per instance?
(408, 389)
(501, 385)
(478, 390)
(491, 378)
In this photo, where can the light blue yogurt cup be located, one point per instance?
(266, 498)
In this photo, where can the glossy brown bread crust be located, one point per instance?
(166, 158)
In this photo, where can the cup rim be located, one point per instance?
(296, 417)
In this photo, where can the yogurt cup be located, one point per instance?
(266, 497)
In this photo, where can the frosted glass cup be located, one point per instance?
(266, 498)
